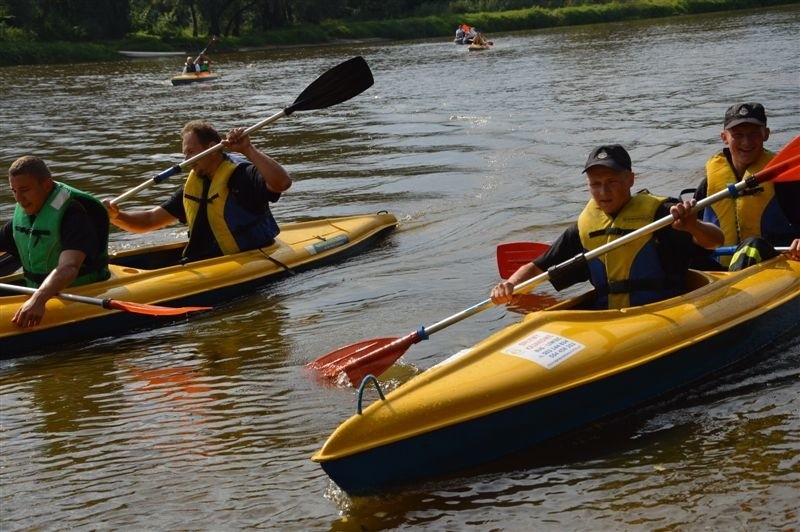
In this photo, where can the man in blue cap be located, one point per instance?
(647, 269)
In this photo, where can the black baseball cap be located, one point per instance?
(610, 155)
(745, 113)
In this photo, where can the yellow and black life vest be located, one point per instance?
(753, 213)
(234, 227)
(631, 274)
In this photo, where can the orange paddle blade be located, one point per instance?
(512, 255)
(356, 361)
(150, 310)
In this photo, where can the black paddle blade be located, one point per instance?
(337, 85)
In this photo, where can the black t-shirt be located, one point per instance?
(676, 250)
(77, 232)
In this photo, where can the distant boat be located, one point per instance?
(193, 77)
(130, 53)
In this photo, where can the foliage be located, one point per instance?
(32, 31)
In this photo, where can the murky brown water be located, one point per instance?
(209, 424)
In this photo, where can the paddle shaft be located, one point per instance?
(113, 304)
(169, 172)
(729, 250)
(105, 303)
(201, 54)
(750, 182)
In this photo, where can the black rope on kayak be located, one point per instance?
(278, 263)
(364, 382)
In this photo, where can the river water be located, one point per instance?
(209, 424)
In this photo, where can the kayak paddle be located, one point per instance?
(111, 304)
(201, 54)
(375, 356)
(512, 255)
(337, 85)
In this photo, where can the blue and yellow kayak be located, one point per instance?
(153, 276)
(558, 370)
(193, 77)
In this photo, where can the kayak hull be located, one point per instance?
(141, 276)
(197, 77)
(484, 404)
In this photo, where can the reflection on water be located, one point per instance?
(209, 423)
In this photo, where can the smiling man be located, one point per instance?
(648, 269)
(59, 233)
(758, 218)
(224, 201)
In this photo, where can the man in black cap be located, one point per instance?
(759, 218)
(647, 269)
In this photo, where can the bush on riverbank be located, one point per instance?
(20, 50)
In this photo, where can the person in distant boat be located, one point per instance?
(757, 219)
(462, 34)
(479, 40)
(59, 233)
(642, 271)
(189, 67)
(225, 199)
(203, 63)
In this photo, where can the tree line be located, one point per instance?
(90, 20)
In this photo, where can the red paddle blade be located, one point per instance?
(356, 361)
(512, 255)
(788, 151)
(150, 310)
(785, 166)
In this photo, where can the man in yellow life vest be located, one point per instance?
(225, 200)
(647, 269)
(755, 219)
(59, 233)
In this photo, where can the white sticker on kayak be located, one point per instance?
(546, 349)
(325, 245)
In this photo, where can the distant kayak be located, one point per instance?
(478, 47)
(194, 77)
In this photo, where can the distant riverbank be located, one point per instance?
(331, 31)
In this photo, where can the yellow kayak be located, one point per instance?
(153, 276)
(559, 370)
(193, 77)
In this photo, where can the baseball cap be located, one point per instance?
(745, 113)
(610, 155)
